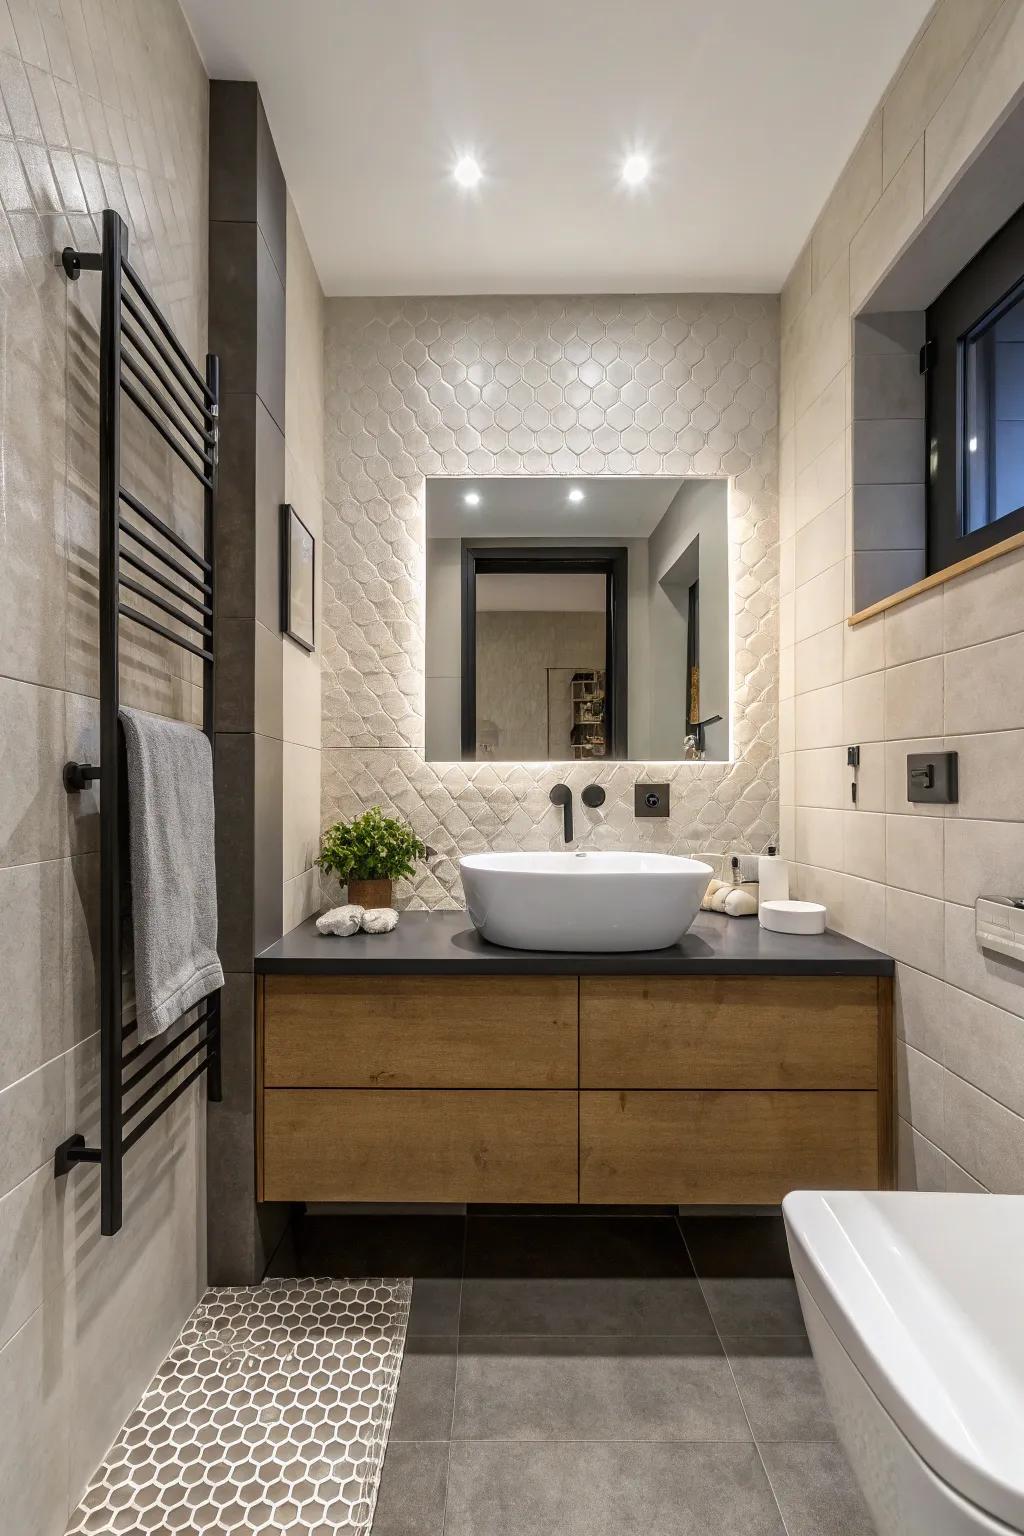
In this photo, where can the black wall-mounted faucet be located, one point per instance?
(562, 795)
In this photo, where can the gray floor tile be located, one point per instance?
(817, 1491)
(410, 1500)
(744, 1268)
(609, 1490)
(595, 1275)
(585, 1388)
(780, 1387)
(426, 1389)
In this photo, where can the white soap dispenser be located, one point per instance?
(772, 877)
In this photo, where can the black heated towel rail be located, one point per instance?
(142, 555)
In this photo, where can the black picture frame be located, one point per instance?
(298, 602)
(612, 562)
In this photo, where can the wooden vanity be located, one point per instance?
(728, 1070)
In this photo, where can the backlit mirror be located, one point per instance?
(577, 619)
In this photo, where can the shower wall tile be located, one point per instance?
(105, 106)
(674, 385)
(939, 672)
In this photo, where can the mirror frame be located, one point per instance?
(612, 562)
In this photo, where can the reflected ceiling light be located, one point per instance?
(467, 172)
(575, 495)
(635, 170)
(472, 498)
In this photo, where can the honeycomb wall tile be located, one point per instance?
(675, 385)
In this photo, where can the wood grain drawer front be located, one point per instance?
(412, 1145)
(724, 1148)
(421, 1032)
(728, 1032)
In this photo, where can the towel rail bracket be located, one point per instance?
(76, 262)
(78, 776)
(72, 1152)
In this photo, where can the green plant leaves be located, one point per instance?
(373, 847)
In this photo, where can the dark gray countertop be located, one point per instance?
(447, 944)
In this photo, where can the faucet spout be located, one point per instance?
(562, 795)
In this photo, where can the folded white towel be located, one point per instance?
(379, 920)
(340, 921)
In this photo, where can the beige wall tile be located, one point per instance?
(983, 1137)
(33, 1244)
(856, 193)
(983, 687)
(863, 708)
(928, 74)
(819, 837)
(860, 911)
(983, 858)
(913, 630)
(864, 648)
(986, 85)
(797, 288)
(819, 660)
(920, 1011)
(913, 854)
(821, 543)
(33, 1112)
(819, 718)
(30, 962)
(919, 1085)
(864, 844)
(301, 899)
(301, 802)
(870, 776)
(822, 483)
(34, 1426)
(820, 603)
(914, 930)
(820, 338)
(985, 1046)
(920, 1165)
(991, 782)
(33, 808)
(985, 603)
(888, 228)
(825, 419)
(821, 778)
(913, 698)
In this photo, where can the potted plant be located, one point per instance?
(369, 854)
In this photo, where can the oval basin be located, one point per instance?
(608, 902)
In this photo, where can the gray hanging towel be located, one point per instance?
(174, 882)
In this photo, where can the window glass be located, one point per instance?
(993, 416)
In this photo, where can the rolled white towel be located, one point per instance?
(379, 920)
(340, 921)
(741, 901)
(714, 886)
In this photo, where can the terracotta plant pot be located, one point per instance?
(370, 893)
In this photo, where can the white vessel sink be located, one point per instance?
(583, 901)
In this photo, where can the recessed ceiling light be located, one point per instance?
(635, 169)
(472, 498)
(575, 494)
(467, 172)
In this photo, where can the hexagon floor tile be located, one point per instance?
(269, 1417)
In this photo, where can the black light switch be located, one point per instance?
(650, 799)
(933, 778)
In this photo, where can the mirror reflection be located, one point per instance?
(577, 619)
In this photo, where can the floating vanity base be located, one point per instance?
(527, 1088)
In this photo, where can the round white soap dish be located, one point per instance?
(792, 916)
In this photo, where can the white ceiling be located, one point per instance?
(748, 110)
(538, 506)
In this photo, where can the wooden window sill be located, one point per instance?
(938, 578)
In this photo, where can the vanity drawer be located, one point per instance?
(724, 1148)
(410, 1145)
(420, 1032)
(729, 1032)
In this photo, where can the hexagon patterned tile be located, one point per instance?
(269, 1417)
(675, 385)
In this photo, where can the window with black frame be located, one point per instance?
(974, 355)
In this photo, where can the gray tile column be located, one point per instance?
(248, 226)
